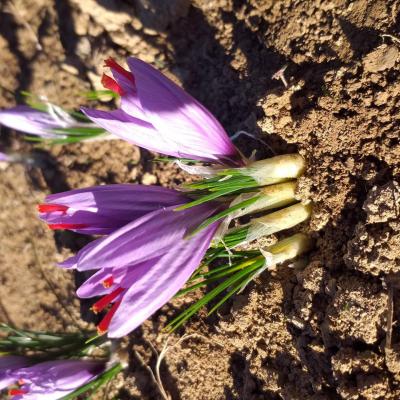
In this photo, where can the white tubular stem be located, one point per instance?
(278, 221)
(275, 169)
(287, 249)
(273, 196)
(284, 250)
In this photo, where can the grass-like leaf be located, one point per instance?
(79, 131)
(100, 94)
(223, 214)
(233, 238)
(206, 198)
(243, 270)
(94, 385)
(21, 341)
(174, 159)
(223, 180)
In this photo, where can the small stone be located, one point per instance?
(84, 48)
(70, 69)
(384, 57)
(382, 203)
(149, 179)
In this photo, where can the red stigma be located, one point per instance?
(46, 208)
(17, 392)
(108, 282)
(106, 300)
(102, 328)
(111, 84)
(111, 63)
(66, 226)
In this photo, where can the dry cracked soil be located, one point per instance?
(328, 330)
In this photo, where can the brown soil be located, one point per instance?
(321, 332)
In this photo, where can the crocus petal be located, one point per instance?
(53, 380)
(72, 262)
(129, 100)
(94, 286)
(103, 209)
(148, 237)
(8, 364)
(178, 117)
(29, 120)
(157, 284)
(130, 128)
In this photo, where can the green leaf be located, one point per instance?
(232, 280)
(173, 159)
(204, 199)
(79, 131)
(233, 238)
(223, 214)
(100, 94)
(94, 385)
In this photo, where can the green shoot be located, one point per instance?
(223, 214)
(94, 385)
(101, 95)
(243, 271)
(234, 277)
(44, 344)
(241, 180)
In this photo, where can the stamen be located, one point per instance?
(21, 382)
(45, 208)
(108, 282)
(111, 63)
(17, 392)
(106, 300)
(111, 84)
(66, 226)
(102, 328)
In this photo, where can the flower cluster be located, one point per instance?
(152, 241)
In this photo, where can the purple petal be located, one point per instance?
(69, 263)
(131, 129)
(72, 262)
(178, 117)
(94, 285)
(157, 284)
(53, 380)
(103, 209)
(129, 101)
(122, 278)
(29, 120)
(8, 364)
(148, 237)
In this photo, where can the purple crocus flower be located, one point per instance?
(8, 365)
(143, 264)
(158, 115)
(40, 123)
(52, 380)
(102, 209)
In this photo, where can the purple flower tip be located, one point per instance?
(160, 116)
